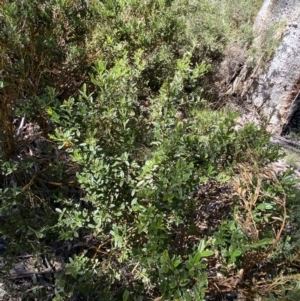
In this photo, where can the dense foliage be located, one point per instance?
(113, 164)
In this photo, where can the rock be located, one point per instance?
(272, 85)
(2, 291)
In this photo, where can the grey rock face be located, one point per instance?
(277, 85)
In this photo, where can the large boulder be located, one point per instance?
(273, 85)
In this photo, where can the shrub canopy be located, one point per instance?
(113, 162)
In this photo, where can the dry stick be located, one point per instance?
(285, 143)
(283, 222)
(33, 178)
(253, 203)
(21, 126)
(29, 274)
(98, 248)
(283, 203)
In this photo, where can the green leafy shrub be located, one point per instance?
(212, 25)
(138, 173)
(110, 172)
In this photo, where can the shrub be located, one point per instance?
(122, 173)
(138, 175)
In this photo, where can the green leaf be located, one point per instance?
(235, 254)
(201, 245)
(176, 263)
(134, 201)
(125, 295)
(197, 257)
(207, 253)
(269, 206)
(140, 183)
(188, 265)
(262, 242)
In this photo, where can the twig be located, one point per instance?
(20, 126)
(33, 178)
(286, 143)
(283, 204)
(29, 274)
